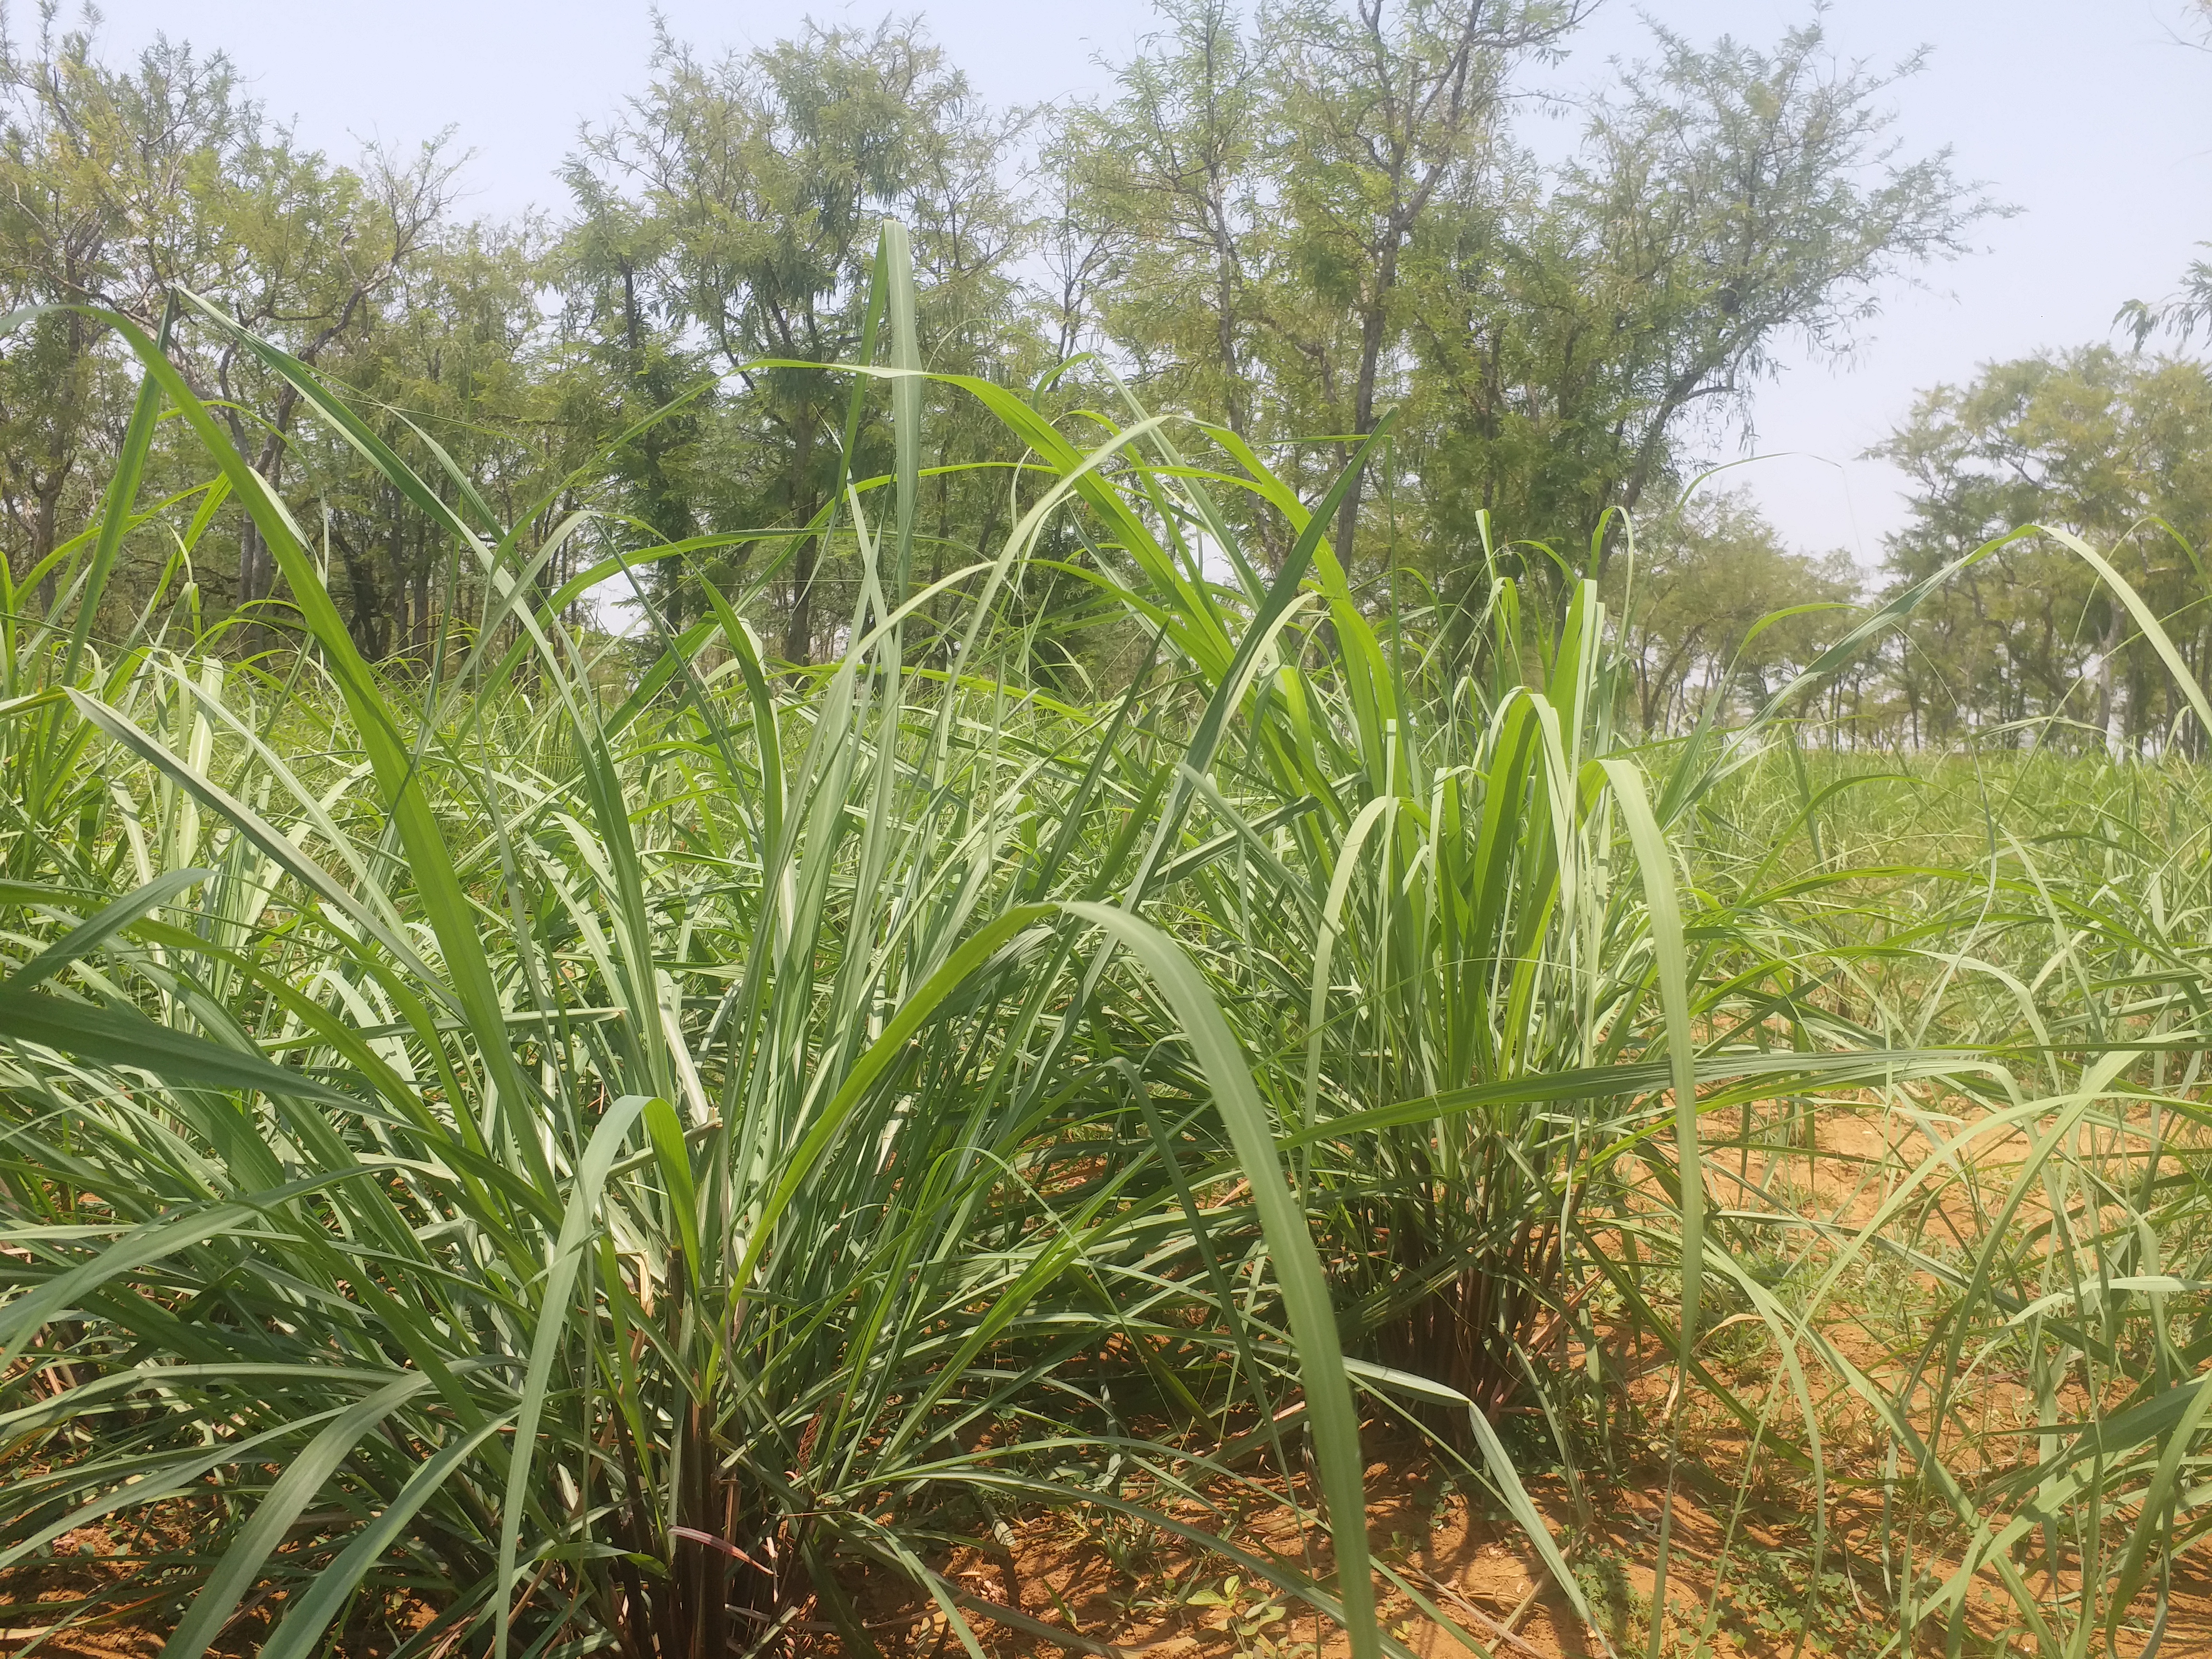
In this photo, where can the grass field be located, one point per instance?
(620, 1144)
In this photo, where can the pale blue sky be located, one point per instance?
(2088, 114)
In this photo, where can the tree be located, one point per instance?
(1285, 218)
(1274, 180)
(1084, 244)
(1703, 580)
(312, 249)
(1388, 112)
(1727, 202)
(102, 178)
(624, 355)
(118, 189)
(751, 188)
(2115, 448)
(457, 352)
(1176, 162)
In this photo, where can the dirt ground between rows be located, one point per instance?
(1156, 1596)
(1475, 1568)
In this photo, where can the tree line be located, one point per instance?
(1281, 220)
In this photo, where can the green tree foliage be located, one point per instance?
(107, 181)
(1277, 179)
(1324, 210)
(455, 356)
(1588, 336)
(122, 188)
(316, 251)
(1693, 598)
(1388, 115)
(725, 226)
(1286, 219)
(1171, 171)
(2115, 448)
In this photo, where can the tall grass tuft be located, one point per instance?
(612, 1170)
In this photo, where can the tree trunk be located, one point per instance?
(370, 623)
(253, 564)
(43, 535)
(799, 626)
(2111, 715)
(257, 568)
(1372, 323)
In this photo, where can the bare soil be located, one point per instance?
(1741, 1583)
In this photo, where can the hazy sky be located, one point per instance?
(2089, 115)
